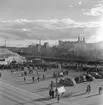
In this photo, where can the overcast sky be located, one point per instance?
(24, 21)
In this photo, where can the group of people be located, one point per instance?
(53, 93)
(24, 74)
(33, 79)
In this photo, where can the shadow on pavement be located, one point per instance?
(43, 99)
(79, 94)
(51, 103)
(27, 83)
(92, 95)
(42, 89)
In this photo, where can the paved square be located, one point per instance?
(41, 90)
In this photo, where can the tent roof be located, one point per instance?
(4, 53)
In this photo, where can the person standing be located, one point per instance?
(56, 92)
(11, 71)
(33, 79)
(21, 73)
(58, 98)
(89, 88)
(50, 94)
(38, 79)
(43, 77)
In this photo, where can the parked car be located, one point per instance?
(89, 77)
(67, 81)
(62, 81)
(77, 80)
(82, 78)
(71, 81)
(100, 73)
(96, 75)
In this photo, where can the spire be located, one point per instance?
(78, 38)
(83, 39)
(5, 44)
(40, 42)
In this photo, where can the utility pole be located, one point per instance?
(5, 44)
(40, 47)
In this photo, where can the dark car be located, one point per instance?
(100, 73)
(96, 75)
(61, 81)
(67, 81)
(89, 77)
(77, 80)
(82, 78)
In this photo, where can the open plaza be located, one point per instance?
(31, 86)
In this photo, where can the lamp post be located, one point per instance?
(56, 76)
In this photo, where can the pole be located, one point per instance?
(57, 75)
(5, 44)
(56, 82)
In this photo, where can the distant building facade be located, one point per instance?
(70, 44)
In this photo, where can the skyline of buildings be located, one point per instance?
(42, 42)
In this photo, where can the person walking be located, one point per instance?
(0, 74)
(24, 79)
(43, 77)
(88, 89)
(100, 90)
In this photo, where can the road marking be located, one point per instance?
(24, 91)
(34, 95)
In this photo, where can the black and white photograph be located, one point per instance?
(51, 52)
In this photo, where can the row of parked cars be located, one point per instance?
(82, 78)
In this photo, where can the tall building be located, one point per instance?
(39, 46)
